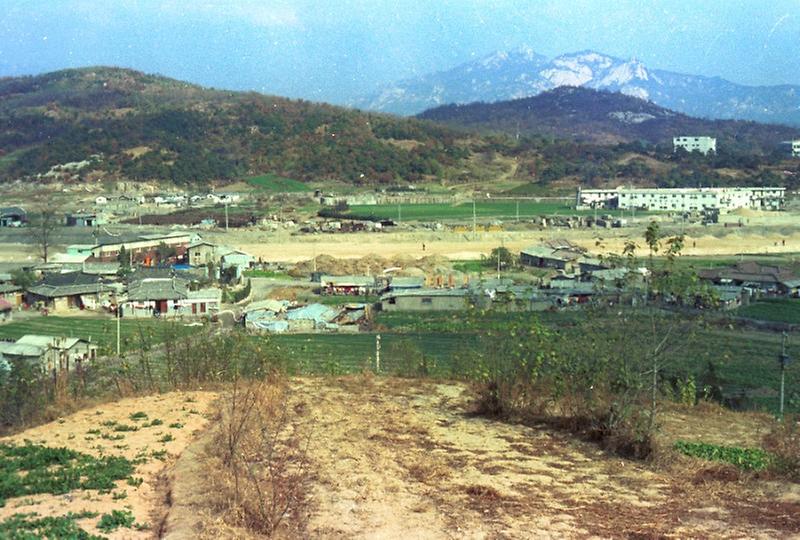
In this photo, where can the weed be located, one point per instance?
(134, 481)
(155, 422)
(115, 520)
(166, 438)
(140, 415)
(753, 459)
(32, 469)
(110, 437)
(30, 526)
(159, 454)
(176, 425)
(125, 427)
(119, 495)
(93, 432)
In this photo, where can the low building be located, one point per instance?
(70, 290)
(49, 353)
(13, 294)
(427, 300)
(169, 297)
(796, 148)
(704, 145)
(401, 283)
(202, 252)
(13, 216)
(84, 219)
(682, 199)
(559, 255)
(144, 249)
(347, 285)
(764, 278)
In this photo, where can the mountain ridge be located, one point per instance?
(518, 73)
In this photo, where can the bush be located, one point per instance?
(783, 442)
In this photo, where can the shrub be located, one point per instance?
(783, 441)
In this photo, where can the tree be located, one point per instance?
(22, 278)
(501, 257)
(42, 229)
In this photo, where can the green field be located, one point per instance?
(786, 310)
(277, 184)
(103, 331)
(483, 209)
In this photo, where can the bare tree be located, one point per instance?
(42, 227)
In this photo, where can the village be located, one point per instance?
(179, 275)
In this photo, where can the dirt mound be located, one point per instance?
(372, 265)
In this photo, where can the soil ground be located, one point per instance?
(400, 458)
(144, 501)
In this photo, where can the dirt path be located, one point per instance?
(399, 459)
(90, 431)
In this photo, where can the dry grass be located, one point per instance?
(257, 464)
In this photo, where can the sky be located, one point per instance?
(336, 50)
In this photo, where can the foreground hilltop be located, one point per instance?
(133, 125)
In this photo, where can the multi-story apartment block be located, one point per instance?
(704, 145)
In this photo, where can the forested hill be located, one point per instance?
(583, 114)
(118, 123)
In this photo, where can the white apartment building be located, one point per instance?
(796, 148)
(682, 199)
(704, 145)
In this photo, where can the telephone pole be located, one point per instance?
(474, 222)
(784, 360)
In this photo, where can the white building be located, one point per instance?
(796, 148)
(704, 145)
(682, 199)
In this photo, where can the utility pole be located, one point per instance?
(399, 213)
(517, 210)
(784, 360)
(474, 222)
(226, 217)
(377, 353)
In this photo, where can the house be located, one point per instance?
(13, 216)
(169, 297)
(202, 252)
(49, 352)
(13, 294)
(69, 290)
(700, 199)
(557, 254)
(764, 278)
(427, 300)
(312, 317)
(347, 285)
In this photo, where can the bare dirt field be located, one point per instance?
(145, 501)
(457, 246)
(400, 459)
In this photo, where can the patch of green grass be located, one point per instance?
(115, 520)
(140, 415)
(166, 438)
(277, 184)
(752, 459)
(30, 526)
(176, 425)
(505, 210)
(786, 310)
(33, 469)
(154, 422)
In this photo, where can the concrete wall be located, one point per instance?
(425, 303)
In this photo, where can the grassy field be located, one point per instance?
(786, 310)
(483, 209)
(102, 331)
(277, 184)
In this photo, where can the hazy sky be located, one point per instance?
(333, 50)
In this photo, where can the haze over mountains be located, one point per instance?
(524, 73)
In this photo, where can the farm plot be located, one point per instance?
(786, 310)
(102, 331)
(494, 209)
